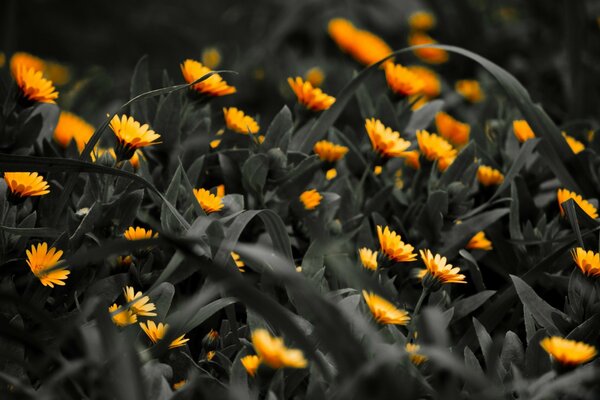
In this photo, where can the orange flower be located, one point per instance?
(131, 135)
(25, 60)
(470, 90)
(71, 127)
(587, 261)
(434, 147)
(25, 184)
(479, 242)
(364, 46)
(328, 151)
(427, 54)
(437, 271)
(274, 353)
(568, 352)
(311, 199)
(393, 247)
(368, 258)
(214, 85)
(34, 87)
(522, 130)
(564, 195)
(312, 98)
(239, 122)
(421, 21)
(156, 332)
(208, 201)
(251, 364)
(489, 176)
(40, 260)
(575, 145)
(451, 129)
(385, 312)
(403, 81)
(385, 142)
(315, 76)
(431, 80)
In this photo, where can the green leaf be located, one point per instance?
(466, 306)
(422, 118)
(281, 126)
(254, 173)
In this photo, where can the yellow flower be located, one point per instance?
(238, 122)
(179, 385)
(330, 174)
(138, 233)
(215, 143)
(575, 145)
(564, 195)
(212, 86)
(71, 127)
(489, 176)
(274, 353)
(342, 32)
(208, 201)
(34, 87)
(412, 350)
(368, 258)
(131, 135)
(451, 129)
(251, 364)
(588, 262)
(121, 316)
(363, 46)
(328, 151)
(470, 89)
(311, 199)
(312, 98)
(25, 184)
(25, 60)
(393, 247)
(427, 54)
(431, 80)
(411, 158)
(157, 332)
(522, 130)
(385, 312)
(403, 81)
(384, 140)
(435, 147)
(479, 242)
(40, 260)
(438, 270)
(377, 170)
(139, 304)
(315, 76)
(221, 190)
(421, 21)
(568, 352)
(211, 57)
(238, 261)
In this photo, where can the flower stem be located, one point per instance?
(424, 294)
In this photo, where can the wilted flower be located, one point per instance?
(489, 176)
(575, 145)
(34, 87)
(315, 76)
(470, 89)
(393, 247)
(311, 199)
(312, 98)
(122, 316)
(251, 364)
(208, 201)
(238, 122)
(437, 271)
(568, 352)
(157, 332)
(429, 55)
(41, 260)
(522, 130)
(139, 304)
(564, 195)
(71, 127)
(238, 261)
(328, 151)
(368, 258)
(364, 46)
(385, 312)
(25, 184)
(421, 21)
(479, 242)
(384, 140)
(214, 85)
(274, 353)
(587, 261)
(131, 135)
(402, 81)
(435, 147)
(138, 233)
(412, 349)
(452, 129)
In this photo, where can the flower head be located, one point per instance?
(470, 89)
(239, 122)
(25, 60)
(402, 80)
(315, 76)
(157, 332)
(522, 130)
(211, 57)
(131, 135)
(122, 316)
(384, 140)
(40, 260)
(575, 145)
(139, 304)
(489, 176)
(587, 261)
(311, 199)
(412, 349)
(435, 147)
(568, 352)
(138, 233)
(385, 312)
(312, 98)
(564, 195)
(368, 258)
(364, 46)
(437, 271)
(238, 261)
(214, 85)
(393, 247)
(411, 158)
(209, 202)
(25, 184)
(452, 129)
(479, 242)
(421, 21)
(251, 363)
(34, 87)
(274, 353)
(429, 55)
(431, 80)
(328, 151)
(71, 127)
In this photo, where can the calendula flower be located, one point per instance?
(251, 364)
(363, 46)
(310, 199)
(139, 304)
(568, 352)
(131, 135)
(564, 195)
(377, 170)
(431, 86)
(71, 127)
(220, 190)
(239, 122)
(312, 98)
(470, 89)
(421, 21)
(27, 61)
(138, 233)
(214, 85)
(25, 184)
(479, 242)
(99, 152)
(34, 87)
(315, 76)
(41, 260)
(522, 130)
(587, 261)
(575, 145)
(330, 174)
(412, 349)
(436, 148)
(385, 312)
(179, 385)
(211, 57)
(157, 332)
(384, 140)
(238, 261)
(211, 341)
(489, 176)
(274, 353)
(452, 129)
(121, 316)
(403, 81)
(438, 271)
(328, 151)
(429, 55)
(368, 258)
(393, 247)
(208, 201)
(411, 158)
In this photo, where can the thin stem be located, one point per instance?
(416, 312)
